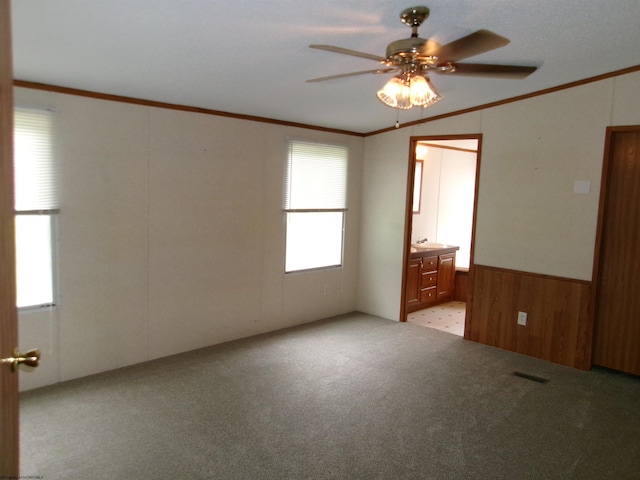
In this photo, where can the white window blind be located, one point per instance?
(316, 177)
(315, 201)
(34, 170)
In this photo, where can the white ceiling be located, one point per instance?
(251, 57)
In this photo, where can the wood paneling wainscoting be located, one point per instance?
(461, 285)
(558, 326)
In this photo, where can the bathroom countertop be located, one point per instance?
(419, 252)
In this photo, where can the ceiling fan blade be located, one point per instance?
(473, 44)
(495, 71)
(352, 74)
(346, 51)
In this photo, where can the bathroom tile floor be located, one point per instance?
(448, 317)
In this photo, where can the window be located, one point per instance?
(36, 207)
(315, 205)
(417, 186)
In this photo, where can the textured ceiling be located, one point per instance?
(252, 57)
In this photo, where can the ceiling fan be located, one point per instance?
(413, 58)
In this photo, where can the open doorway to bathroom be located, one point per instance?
(441, 199)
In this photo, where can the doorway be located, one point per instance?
(441, 210)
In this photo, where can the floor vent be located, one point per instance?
(533, 378)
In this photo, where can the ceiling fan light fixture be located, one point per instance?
(413, 58)
(407, 91)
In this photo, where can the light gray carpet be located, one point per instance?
(354, 397)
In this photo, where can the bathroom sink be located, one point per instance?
(427, 246)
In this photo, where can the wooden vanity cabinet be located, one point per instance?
(430, 278)
(446, 276)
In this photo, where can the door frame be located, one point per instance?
(408, 223)
(597, 257)
(9, 407)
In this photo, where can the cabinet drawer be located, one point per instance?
(428, 279)
(428, 295)
(429, 264)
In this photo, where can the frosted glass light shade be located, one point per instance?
(391, 91)
(423, 93)
(403, 93)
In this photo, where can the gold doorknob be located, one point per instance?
(30, 359)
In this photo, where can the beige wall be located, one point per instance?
(171, 229)
(171, 236)
(529, 217)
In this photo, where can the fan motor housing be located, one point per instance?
(413, 49)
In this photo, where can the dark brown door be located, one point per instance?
(8, 314)
(446, 274)
(617, 324)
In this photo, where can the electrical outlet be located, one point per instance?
(327, 290)
(522, 319)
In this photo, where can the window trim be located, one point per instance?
(287, 199)
(40, 197)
